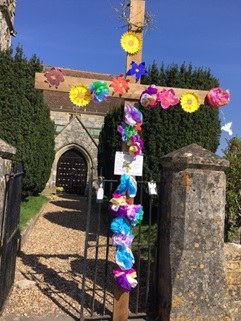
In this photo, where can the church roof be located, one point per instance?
(59, 101)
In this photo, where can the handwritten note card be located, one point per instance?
(125, 163)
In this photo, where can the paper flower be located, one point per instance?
(227, 128)
(118, 210)
(54, 77)
(137, 70)
(99, 91)
(167, 98)
(217, 97)
(122, 239)
(118, 199)
(189, 102)
(120, 225)
(120, 85)
(127, 185)
(135, 214)
(80, 95)
(124, 257)
(148, 97)
(125, 131)
(125, 279)
(130, 42)
(132, 115)
(136, 145)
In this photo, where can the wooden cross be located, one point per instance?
(136, 22)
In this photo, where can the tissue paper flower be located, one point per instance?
(118, 210)
(167, 98)
(54, 77)
(127, 185)
(137, 70)
(120, 225)
(136, 145)
(135, 214)
(125, 279)
(189, 102)
(130, 42)
(122, 239)
(120, 85)
(125, 131)
(148, 97)
(217, 97)
(80, 95)
(118, 199)
(132, 115)
(99, 91)
(124, 257)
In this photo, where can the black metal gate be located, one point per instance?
(98, 282)
(72, 172)
(9, 232)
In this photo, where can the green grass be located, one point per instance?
(29, 208)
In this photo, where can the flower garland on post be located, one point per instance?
(126, 215)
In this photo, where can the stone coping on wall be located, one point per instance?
(6, 150)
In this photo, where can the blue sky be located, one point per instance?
(85, 35)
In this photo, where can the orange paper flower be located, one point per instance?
(120, 85)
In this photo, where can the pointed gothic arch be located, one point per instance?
(72, 172)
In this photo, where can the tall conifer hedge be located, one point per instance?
(25, 120)
(165, 130)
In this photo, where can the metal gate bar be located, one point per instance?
(91, 307)
(10, 232)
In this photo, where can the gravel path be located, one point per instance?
(52, 257)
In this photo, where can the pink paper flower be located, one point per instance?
(54, 77)
(167, 98)
(217, 97)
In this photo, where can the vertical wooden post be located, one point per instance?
(137, 13)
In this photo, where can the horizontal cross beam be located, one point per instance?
(133, 93)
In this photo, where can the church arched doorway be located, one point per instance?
(72, 172)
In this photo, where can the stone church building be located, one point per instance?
(76, 129)
(76, 135)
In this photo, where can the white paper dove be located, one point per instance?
(227, 128)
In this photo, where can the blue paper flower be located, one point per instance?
(120, 225)
(124, 257)
(137, 70)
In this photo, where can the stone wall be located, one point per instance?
(7, 11)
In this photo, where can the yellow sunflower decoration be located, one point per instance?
(130, 42)
(189, 102)
(80, 95)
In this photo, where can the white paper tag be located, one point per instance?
(100, 193)
(152, 190)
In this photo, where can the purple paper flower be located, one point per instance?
(125, 279)
(132, 115)
(148, 97)
(137, 70)
(135, 214)
(117, 210)
(122, 240)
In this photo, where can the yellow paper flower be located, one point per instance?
(130, 42)
(190, 102)
(80, 95)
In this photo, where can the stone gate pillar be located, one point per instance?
(6, 154)
(191, 274)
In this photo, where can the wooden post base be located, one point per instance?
(120, 304)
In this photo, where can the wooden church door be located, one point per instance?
(72, 172)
